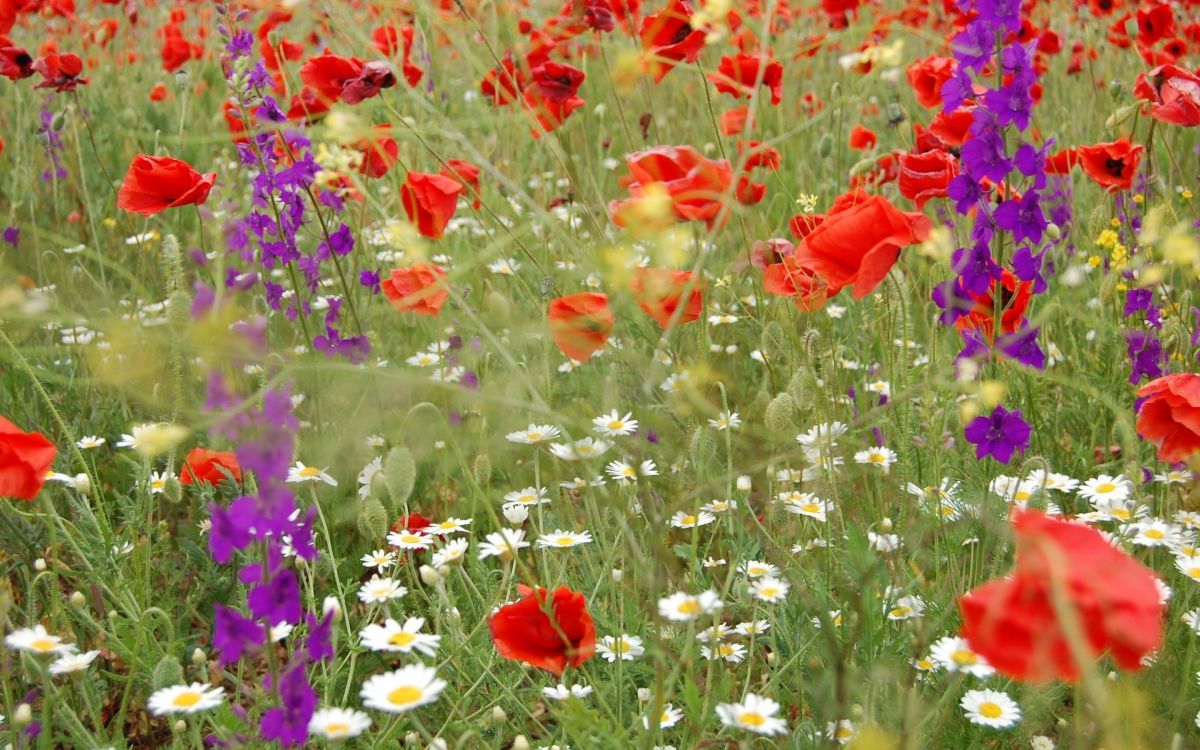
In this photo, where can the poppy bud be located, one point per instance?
(1053, 232)
(482, 469)
(167, 672)
(825, 145)
(1120, 117)
(179, 727)
(835, 90)
(373, 520)
(58, 122)
(182, 79)
(172, 490)
(400, 474)
(1116, 90)
(778, 416)
(886, 525)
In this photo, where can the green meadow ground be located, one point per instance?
(97, 339)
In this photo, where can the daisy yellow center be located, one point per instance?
(751, 719)
(1021, 496)
(964, 658)
(629, 471)
(402, 696)
(769, 591)
(810, 507)
(401, 639)
(689, 607)
(724, 650)
(688, 520)
(1106, 487)
(410, 538)
(924, 664)
(309, 471)
(1194, 573)
(534, 435)
(666, 717)
(337, 729)
(615, 424)
(901, 611)
(447, 525)
(564, 541)
(989, 710)
(877, 458)
(842, 733)
(526, 499)
(1153, 534)
(158, 484)
(756, 570)
(623, 647)
(186, 700)
(1119, 513)
(43, 644)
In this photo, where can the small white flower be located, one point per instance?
(623, 647)
(682, 607)
(185, 699)
(338, 723)
(755, 714)
(402, 690)
(612, 425)
(72, 663)
(302, 473)
(990, 708)
(561, 692)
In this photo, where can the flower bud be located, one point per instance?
(617, 575)
(172, 490)
(644, 695)
(520, 743)
(83, 484)
(516, 514)
(498, 715)
(23, 716)
(429, 576)
(199, 658)
(825, 146)
(886, 524)
(1053, 232)
(743, 483)
(331, 604)
(179, 727)
(1116, 90)
(77, 599)
(444, 570)
(39, 564)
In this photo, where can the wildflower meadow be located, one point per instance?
(600, 374)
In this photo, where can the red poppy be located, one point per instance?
(503, 84)
(863, 139)
(176, 50)
(544, 630)
(927, 175)
(156, 183)
(15, 63)
(346, 78)
(580, 324)
(859, 241)
(1169, 416)
(418, 289)
(203, 466)
(25, 459)
(430, 200)
(1072, 596)
(1111, 165)
(734, 121)
(549, 113)
(952, 128)
(557, 82)
(389, 40)
(379, 152)
(59, 72)
(695, 184)
(1173, 93)
(467, 175)
(790, 278)
(668, 37)
(927, 76)
(738, 74)
(412, 522)
(659, 292)
(159, 92)
(1154, 22)
(1014, 301)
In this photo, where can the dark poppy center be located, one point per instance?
(681, 33)
(1115, 167)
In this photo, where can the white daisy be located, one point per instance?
(669, 717)
(37, 640)
(1105, 487)
(756, 569)
(682, 607)
(580, 449)
(990, 708)
(612, 425)
(770, 590)
(405, 539)
(381, 559)
(534, 434)
(725, 421)
(684, 520)
(403, 689)
(954, 655)
(89, 442)
(563, 539)
(72, 663)
(406, 638)
(734, 653)
(302, 473)
(449, 526)
(503, 544)
(623, 647)
(755, 714)
(561, 692)
(185, 699)
(338, 723)
(880, 457)
(378, 590)
(453, 553)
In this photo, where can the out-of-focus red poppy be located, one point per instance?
(859, 241)
(557, 82)
(389, 40)
(379, 152)
(668, 38)
(1169, 416)
(862, 138)
(430, 200)
(1173, 93)
(660, 293)
(1072, 596)
(581, 324)
(1014, 301)
(202, 466)
(544, 630)
(467, 175)
(737, 75)
(1155, 21)
(504, 83)
(347, 79)
(419, 289)
(790, 278)
(156, 183)
(927, 76)
(927, 175)
(59, 72)
(694, 183)
(25, 459)
(15, 63)
(159, 92)
(734, 121)
(1111, 165)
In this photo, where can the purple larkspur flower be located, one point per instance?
(999, 434)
